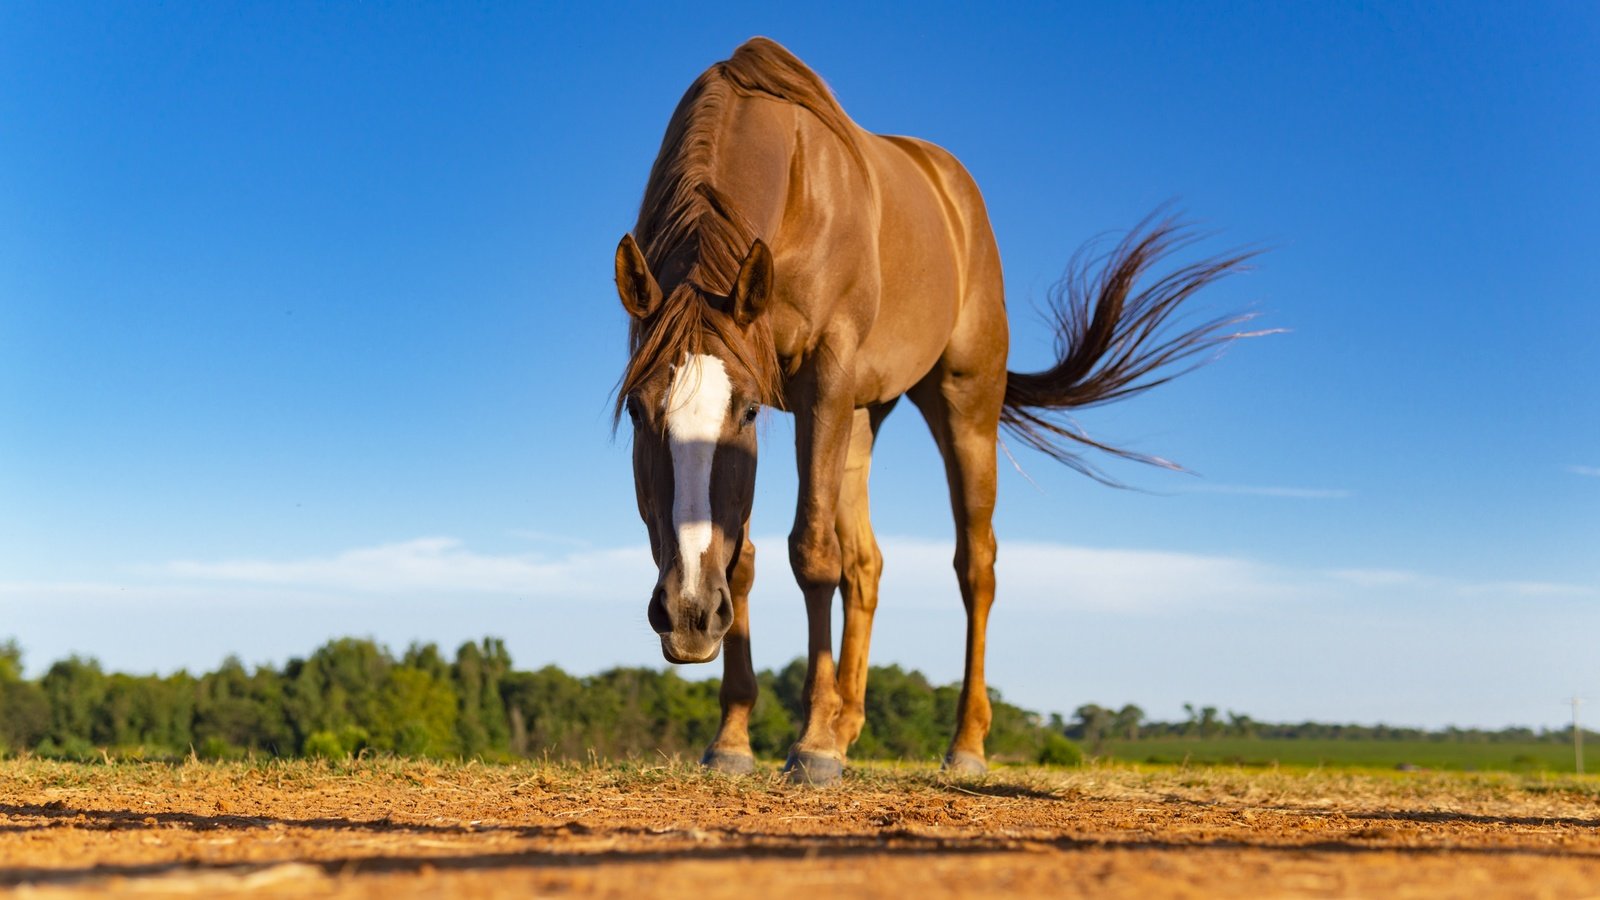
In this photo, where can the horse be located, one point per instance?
(785, 258)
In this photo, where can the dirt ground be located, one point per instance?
(387, 828)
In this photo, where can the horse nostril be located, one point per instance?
(724, 616)
(660, 620)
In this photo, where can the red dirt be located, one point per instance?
(391, 828)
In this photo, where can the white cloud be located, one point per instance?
(1337, 640)
(918, 574)
(1591, 471)
(1042, 575)
(1376, 578)
(436, 565)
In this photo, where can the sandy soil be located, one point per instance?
(388, 828)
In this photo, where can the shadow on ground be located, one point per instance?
(656, 846)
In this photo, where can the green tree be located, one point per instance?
(551, 705)
(482, 724)
(10, 661)
(24, 708)
(901, 716)
(74, 688)
(236, 711)
(351, 695)
(772, 724)
(336, 689)
(1126, 722)
(145, 714)
(419, 713)
(1016, 734)
(1241, 724)
(1092, 722)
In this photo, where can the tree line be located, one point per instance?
(1094, 724)
(353, 695)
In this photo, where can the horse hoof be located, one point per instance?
(959, 762)
(814, 769)
(728, 762)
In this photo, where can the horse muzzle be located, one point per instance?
(691, 627)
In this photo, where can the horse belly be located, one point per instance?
(919, 290)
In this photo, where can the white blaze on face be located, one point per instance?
(697, 408)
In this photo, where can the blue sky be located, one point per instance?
(306, 329)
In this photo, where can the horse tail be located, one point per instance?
(1114, 341)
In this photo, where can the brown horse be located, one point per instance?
(785, 257)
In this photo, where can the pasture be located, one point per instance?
(1448, 755)
(387, 827)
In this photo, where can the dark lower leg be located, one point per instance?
(817, 757)
(821, 690)
(730, 750)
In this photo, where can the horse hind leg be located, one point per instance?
(963, 413)
(730, 750)
(862, 566)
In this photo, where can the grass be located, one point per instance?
(1100, 778)
(1454, 756)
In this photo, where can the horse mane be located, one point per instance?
(693, 236)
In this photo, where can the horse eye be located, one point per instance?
(749, 414)
(632, 404)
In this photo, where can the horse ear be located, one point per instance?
(635, 285)
(753, 287)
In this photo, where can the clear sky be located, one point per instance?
(307, 329)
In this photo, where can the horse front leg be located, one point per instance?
(730, 750)
(822, 438)
(862, 566)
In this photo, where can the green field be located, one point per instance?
(1461, 756)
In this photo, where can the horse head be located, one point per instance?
(693, 395)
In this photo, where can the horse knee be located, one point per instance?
(815, 556)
